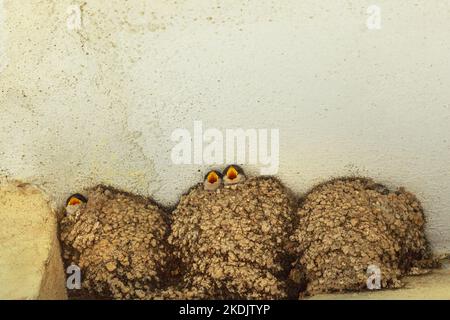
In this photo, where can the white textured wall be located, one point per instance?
(99, 104)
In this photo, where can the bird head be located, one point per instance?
(233, 174)
(75, 202)
(213, 180)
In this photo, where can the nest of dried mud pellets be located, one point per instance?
(346, 225)
(119, 241)
(231, 241)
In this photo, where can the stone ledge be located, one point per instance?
(432, 286)
(30, 260)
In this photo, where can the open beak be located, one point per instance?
(212, 177)
(74, 201)
(232, 173)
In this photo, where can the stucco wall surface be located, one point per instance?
(98, 104)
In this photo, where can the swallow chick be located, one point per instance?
(74, 203)
(118, 239)
(233, 174)
(213, 180)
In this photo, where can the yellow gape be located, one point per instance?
(73, 201)
(232, 173)
(212, 177)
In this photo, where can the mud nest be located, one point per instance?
(119, 243)
(230, 242)
(346, 225)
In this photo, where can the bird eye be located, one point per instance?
(212, 177)
(232, 173)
